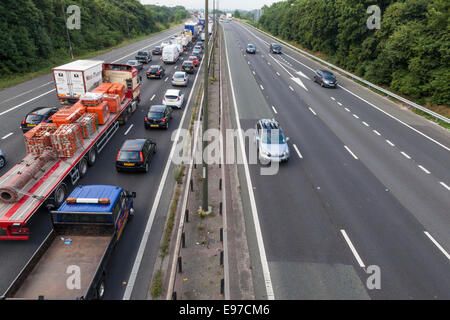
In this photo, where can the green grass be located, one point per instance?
(46, 68)
(157, 285)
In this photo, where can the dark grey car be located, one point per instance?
(325, 78)
(134, 63)
(275, 48)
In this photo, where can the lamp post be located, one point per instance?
(205, 114)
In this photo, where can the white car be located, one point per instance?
(173, 98)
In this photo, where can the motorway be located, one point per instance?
(17, 101)
(367, 184)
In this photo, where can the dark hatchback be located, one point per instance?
(157, 50)
(325, 78)
(158, 117)
(275, 48)
(155, 72)
(36, 116)
(135, 155)
(188, 66)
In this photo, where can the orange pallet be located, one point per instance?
(118, 88)
(113, 101)
(102, 112)
(91, 98)
(67, 139)
(103, 88)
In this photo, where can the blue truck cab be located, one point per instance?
(72, 261)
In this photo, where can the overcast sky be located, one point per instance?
(223, 4)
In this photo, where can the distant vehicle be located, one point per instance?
(325, 78)
(170, 54)
(180, 78)
(134, 63)
(144, 56)
(173, 98)
(157, 50)
(172, 37)
(158, 117)
(199, 48)
(195, 60)
(188, 67)
(36, 116)
(155, 71)
(251, 48)
(180, 48)
(2, 159)
(200, 43)
(270, 141)
(202, 36)
(275, 48)
(165, 43)
(198, 54)
(85, 230)
(135, 155)
(229, 16)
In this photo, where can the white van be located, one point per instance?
(170, 54)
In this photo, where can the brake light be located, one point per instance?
(23, 121)
(145, 119)
(164, 99)
(178, 99)
(118, 155)
(142, 157)
(164, 120)
(158, 72)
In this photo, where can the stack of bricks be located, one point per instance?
(67, 139)
(38, 138)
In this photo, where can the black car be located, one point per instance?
(36, 116)
(251, 48)
(157, 50)
(198, 54)
(275, 48)
(135, 155)
(325, 78)
(188, 66)
(144, 56)
(158, 117)
(155, 72)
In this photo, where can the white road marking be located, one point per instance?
(260, 241)
(424, 169)
(347, 109)
(393, 145)
(278, 74)
(6, 136)
(175, 67)
(254, 73)
(444, 185)
(165, 80)
(303, 75)
(298, 152)
(299, 82)
(269, 63)
(262, 88)
(437, 245)
(24, 93)
(274, 110)
(21, 104)
(292, 89)
(366, 124)
(355, 116)
(376, 132)
(153, 97)
(406, 155)
(332, 98)
(312, 111)
(126, 132)
(340, 104)
(352, 248)
(350, 151)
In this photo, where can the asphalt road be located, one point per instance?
(14, 255)
(367, 187)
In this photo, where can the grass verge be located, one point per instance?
(157, 285)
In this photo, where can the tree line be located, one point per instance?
(33, 33)
(409, 54)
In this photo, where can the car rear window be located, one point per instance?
(129, 156)
(156, 115)
(178, 76)
(34, 118)
(171, 97)
(142, 53)
(187, 63)
(154, 69)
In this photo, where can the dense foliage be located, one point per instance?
(33, 32)
(167, 15)
(410, 53)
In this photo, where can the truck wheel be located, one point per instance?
(101, 290)
(2, 162)
(83, 167)
(125, 117)
(92, 156)
(60, 194)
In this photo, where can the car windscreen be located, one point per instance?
(276, 46)
(155, 115)
(129, 156)
(34, 118)
(273, 137)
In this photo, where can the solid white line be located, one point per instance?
(254, 73)
(262, 88)
(269, 63)
(424, 169)
(312, 111)
(350, 151)
(355, 116)
(437, 245)
(352, 248)
(126, 132)
(406, 155)
(153, 97)
(444, 185)
(165, 80)
(376, 132)
(6, 136)
(298, 151)
(278, 74)
(260, 241)
(148, 227)
(393, 145)
(366, 124)
(175, 67)
(292, 89)
(24, 93)
(274, 110)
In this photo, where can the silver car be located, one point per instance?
(2, 159)
(271, 142)
(134, 63)
(180, 78)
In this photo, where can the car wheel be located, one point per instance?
(2, 162)
(321, 84)
(146, 167)
(167, 125)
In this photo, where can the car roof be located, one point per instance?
(157, 108)
(133, 144)
(180, 73)
(40, 110)
(250, 44)
(193, 57)
(172, 92)
(155, 66)
(132, 61)
(269, 124)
